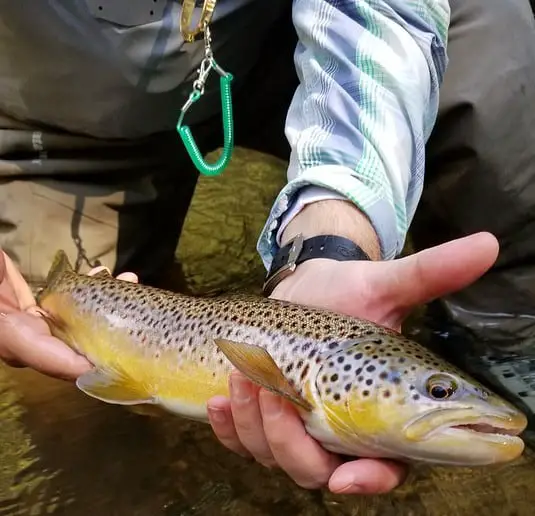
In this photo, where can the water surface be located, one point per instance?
(63, 453)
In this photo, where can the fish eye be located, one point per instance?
(441, 386)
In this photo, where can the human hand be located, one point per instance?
(258, 424)
(25, 339)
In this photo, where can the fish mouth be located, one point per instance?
(489, 429)
(492, 427)
(467, 437)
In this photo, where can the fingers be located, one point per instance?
(258, 423)
(247, 421)
(220, 416)
(298, 454)
(435, 272)
(31, 344)
(128, 276)
(367, 476)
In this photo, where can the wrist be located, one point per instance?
(334, 217)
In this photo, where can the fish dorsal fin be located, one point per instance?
(113, 387)
(258, 365)
(103, 273)
(60, 265)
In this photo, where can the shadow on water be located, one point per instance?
(63, 453)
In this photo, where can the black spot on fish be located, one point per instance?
(347, 387)
(370, 368)
(336, 397)
(386, 394)
(416, 397)
(334, 377)
(365, 393)
(347, 367)
(369, 381)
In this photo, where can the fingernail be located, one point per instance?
(343, 482)
(217, 415)
(271, 405)
(239, 388)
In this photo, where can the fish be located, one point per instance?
(361, 389)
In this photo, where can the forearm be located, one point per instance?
(334, 217)
(367, 102)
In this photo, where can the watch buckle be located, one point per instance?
(289, 267)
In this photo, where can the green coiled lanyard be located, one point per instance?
(207, 65)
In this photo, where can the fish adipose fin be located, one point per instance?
(258, 365)
(112, 387)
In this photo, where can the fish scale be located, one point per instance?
(360, 388)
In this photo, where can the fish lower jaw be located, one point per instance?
(484, 444)
(488, 433)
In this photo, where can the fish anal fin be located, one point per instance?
(258, 365)
(112, 387)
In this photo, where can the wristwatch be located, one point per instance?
(300, 250)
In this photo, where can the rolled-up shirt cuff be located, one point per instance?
(340, 181)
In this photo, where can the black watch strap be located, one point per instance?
(299, 250)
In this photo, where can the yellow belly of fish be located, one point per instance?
(128, 374)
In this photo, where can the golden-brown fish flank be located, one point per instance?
(360, 388)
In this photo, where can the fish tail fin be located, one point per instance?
(60, 265)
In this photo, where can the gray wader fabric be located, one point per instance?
(481, 165)
(89, 157)
(127, 198)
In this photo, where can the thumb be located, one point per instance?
(438, 271)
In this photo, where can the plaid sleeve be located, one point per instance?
(369, 73)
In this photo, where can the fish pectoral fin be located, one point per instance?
(112, 387)
(258, 365)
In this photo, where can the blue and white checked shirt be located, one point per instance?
(370, 72)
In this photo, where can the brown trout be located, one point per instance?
(361, 389)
